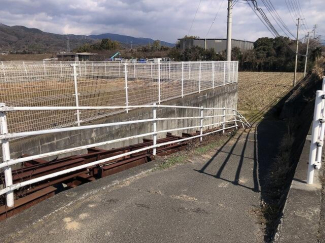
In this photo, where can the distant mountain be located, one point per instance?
(128, 39)
(20, 38)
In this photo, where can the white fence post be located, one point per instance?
(169, 70)
(105, 69)
(189, 70)
(224, 73)
(6, 156)
(213, 85)
(159, 98)
(4, 72)
(228, 72)
(26, 68)
(224, 120)
(201, 122)
(134, 70)
(237, 68)
(76, 91)
(61, 69)
(126, 87)
(233, 72)
(200, 78)
(92, 68)
(182, 79)
(44, 68)
(314, 136)
(151, 69)
(154, 128)
(119, 68)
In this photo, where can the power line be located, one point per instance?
(290, 10)
(254, 10)
(295, 5)
(197, 9)
(269, 6)
(215, 17)
(266, 21)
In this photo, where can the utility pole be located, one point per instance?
(229, 30)
(297, 49)
(305, 71)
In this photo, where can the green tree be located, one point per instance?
(156, 45)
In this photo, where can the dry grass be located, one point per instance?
(258, 90)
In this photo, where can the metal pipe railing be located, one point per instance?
(317, 136)
(5, 137)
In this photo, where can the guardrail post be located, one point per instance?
(154, 128)
(200, 78)
(235, 116)
(6, 156)
(314, 137)
(213, 85)
(224, 73)
(224, 120)
(159, 81)
(76, 91)
(182, 79)
(201, 122)
(126, 87)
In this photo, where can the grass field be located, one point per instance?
(258, 91)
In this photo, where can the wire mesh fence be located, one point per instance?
(100, 84)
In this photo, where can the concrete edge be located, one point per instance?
(301, 214)
(62, 200)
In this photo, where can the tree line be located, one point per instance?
(269, 54)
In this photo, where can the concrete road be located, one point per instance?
(211, 198)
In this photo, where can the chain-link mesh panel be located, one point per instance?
(100, 84)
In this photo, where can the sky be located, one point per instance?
(165, 20)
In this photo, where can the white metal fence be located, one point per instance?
(216, 119)
(317, 137)
(100, 84)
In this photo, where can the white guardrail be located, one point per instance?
(317, 136)
(228, 119)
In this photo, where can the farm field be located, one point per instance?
(258, 91)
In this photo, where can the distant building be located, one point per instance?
(71, 56)
(219, 45)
